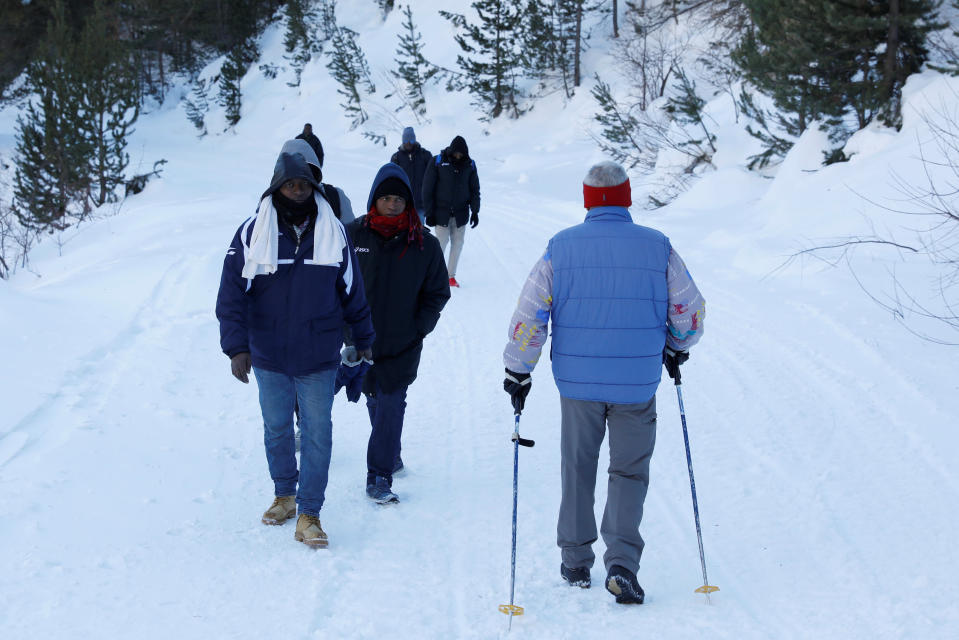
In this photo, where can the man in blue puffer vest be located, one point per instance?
(290, 282)
(621, 302)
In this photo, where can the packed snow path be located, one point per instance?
(132, 473)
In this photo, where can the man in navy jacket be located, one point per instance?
(290, 282)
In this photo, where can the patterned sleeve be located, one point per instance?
(687, 308)
(529, 327)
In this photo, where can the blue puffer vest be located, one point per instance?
(610, 305)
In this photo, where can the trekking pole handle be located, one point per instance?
(523, 442)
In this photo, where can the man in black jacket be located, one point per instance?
(407, 287)
(414, 159)
(450, 192)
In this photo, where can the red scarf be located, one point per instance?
(389, 226)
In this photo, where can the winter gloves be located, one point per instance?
(517, 385)
(474, 220)
(672, 359)
(431, 220)
(353, 366)
(240, 365)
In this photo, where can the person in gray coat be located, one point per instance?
(340, 204)
(451, 198)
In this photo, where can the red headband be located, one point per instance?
(615, 196)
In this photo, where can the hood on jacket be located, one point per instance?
(458, 144)
(288, 167)
(303, 148)
(390, 170)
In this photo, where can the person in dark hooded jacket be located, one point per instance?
(451, 197)
(290, 282)
(407, 287)
(415, 160)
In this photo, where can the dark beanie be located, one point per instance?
(459, 144)
(392, 186)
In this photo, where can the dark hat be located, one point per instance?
(393, 186)
(459, 144)
(409, 135)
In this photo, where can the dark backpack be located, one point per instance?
(333, 197)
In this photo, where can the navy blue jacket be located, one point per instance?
(291, 321)
(414, 163)
(451, 190)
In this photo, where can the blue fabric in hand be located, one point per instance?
(350, 374)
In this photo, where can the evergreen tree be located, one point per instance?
(235, 66)
(412, 67)
(53, 154)
(110, 102)
(348, 66)
(835, 61)
(621, 137)
(496, 61)
(299, 41)
(686, 107)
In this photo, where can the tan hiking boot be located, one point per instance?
(282, 509)
(310, 533)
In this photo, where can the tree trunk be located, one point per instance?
(615, 19)
(892, 50)
(578, 46)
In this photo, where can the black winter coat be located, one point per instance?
(406, 288)
(414, 163)
(451, 190)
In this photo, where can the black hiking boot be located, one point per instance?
(622, 583)
(575, 577)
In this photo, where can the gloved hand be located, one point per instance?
(430, 220)
(672, 359)
(474, 220)
(240, 365)
(517, 385)
(353, 366)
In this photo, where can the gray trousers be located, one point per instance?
(455, 234)
(632, 436)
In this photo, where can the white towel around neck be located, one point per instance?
(329, 239)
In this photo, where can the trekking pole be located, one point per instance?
(512, 609)
(706, 588)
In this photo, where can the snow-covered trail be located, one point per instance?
(131, 487)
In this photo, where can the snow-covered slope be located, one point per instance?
(132, 473)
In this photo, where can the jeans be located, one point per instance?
(386, 419)
(279, 393)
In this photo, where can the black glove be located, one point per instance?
(474, 220)
(517, 385)
(672, 359)
(431, 220)
(240, 365)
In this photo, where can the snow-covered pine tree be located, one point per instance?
(197, 105)
(493, 57)
(686, 108)
(620, 136)
(238, 60)
(300, 40)
(413, 69)
(348, 66)
(52, 153)
(110, 102)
